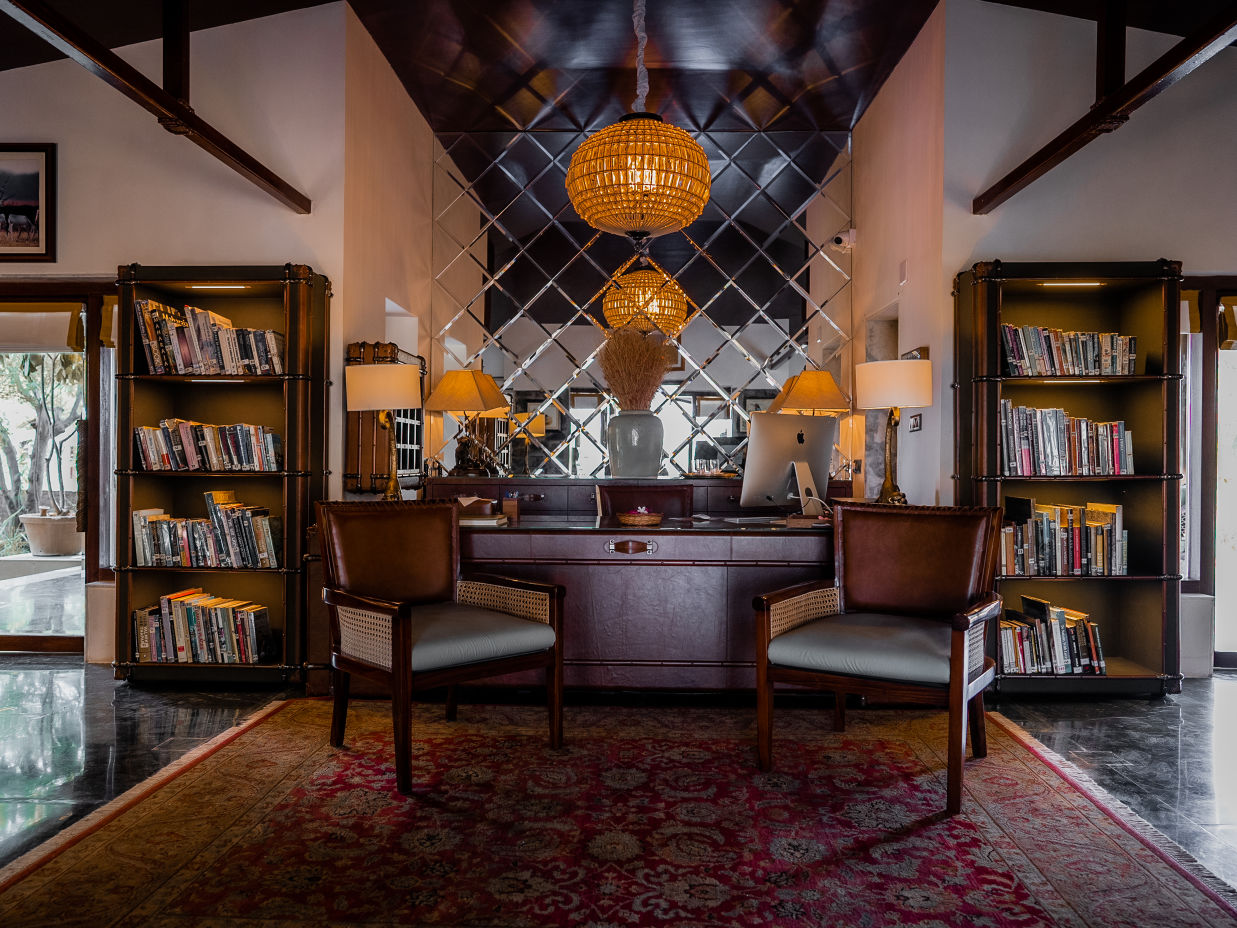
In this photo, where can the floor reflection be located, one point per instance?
(41, 742)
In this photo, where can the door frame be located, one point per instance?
(91, 293)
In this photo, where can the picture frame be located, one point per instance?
(27, 201)
(753, 401)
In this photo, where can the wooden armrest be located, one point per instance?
(336, 597)
(788, 608)
(984, 609)
(528, 599)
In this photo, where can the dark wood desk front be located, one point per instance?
(667, 607)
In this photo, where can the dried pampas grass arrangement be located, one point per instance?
(634, 364)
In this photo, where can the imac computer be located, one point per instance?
(788, 461)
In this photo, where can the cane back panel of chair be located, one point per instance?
(365, 636)
(791, 613)
(914, 560)
(398, 551)
(528, 604)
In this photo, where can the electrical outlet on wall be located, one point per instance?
(916, 422)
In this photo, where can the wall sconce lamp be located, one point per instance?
(893, 384)
(461, 393)
(384, 387)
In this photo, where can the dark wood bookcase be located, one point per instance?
(1137, 613)
(289, 299)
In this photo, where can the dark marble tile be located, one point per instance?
(74, 738)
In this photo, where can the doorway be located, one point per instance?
(56, 468)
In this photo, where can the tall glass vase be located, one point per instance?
(634, 439)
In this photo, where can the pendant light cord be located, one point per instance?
(642, 75)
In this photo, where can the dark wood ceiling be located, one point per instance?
(483, 65)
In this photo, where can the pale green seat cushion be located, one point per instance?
(866, 644)
(453, 634)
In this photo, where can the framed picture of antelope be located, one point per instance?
(27, 202)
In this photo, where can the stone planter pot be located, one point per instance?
(51, 535)
(634, 440)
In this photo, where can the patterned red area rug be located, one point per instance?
(648, 817)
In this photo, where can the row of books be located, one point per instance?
(189, 340)
(1038, 351)
(232, 535)
(1052, 443)
(193, 626)
(1050, 540)
(180, 444)
(1045, 638)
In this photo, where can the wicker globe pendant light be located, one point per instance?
(640, 177)
(647, 299)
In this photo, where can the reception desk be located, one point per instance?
(667, 607)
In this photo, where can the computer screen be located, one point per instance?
(776, 443)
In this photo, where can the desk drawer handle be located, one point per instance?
(628, 546)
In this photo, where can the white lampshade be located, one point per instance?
(467, 392)
(382, 386)
(884, 384)
(809, 392)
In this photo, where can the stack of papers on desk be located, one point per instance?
(495, 519)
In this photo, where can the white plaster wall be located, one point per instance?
(128, 190)
(898, 177)
(1163, 185)
(388, 155)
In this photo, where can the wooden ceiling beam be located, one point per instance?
(173, 114)
(1114, 109)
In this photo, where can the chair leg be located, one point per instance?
(401, 719)
(453, 702)
(339, 710)
(956, 750)
(839, 711)
(554, 698)
(764, 718)
(979, 731)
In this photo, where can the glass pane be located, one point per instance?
(42, 399)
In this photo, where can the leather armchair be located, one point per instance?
(674, 501)
(401, 614)
(905, 623)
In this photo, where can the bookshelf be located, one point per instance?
(273, 470)
(1057, 415)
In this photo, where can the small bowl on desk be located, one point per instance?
(645, 519)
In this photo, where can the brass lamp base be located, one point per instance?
(391, 491)
(890, 494)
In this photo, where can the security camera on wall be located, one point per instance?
(843, 241)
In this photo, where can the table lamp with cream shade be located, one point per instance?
(466, 394)
(531, 425)
(893, 385)
(384, 387)
(810, 393)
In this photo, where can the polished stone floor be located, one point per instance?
(72, 738)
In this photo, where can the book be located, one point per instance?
(497, 519)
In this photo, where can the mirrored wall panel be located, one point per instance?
(519, 283)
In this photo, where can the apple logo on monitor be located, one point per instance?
(799, 437)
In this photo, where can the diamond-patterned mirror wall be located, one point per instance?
(519, 280)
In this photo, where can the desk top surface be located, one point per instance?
(683, 526)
